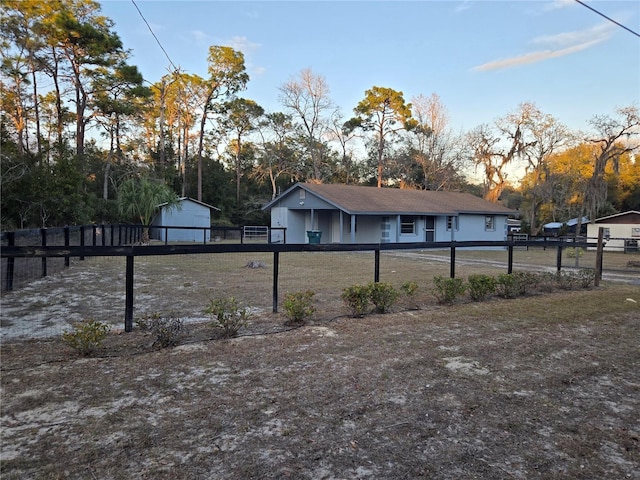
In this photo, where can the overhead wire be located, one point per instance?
(176, 69)
(608, 18)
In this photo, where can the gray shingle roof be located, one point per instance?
(372, 200)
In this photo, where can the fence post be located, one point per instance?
(43, 233)
(128, 308)
(599, 252)
(276, 261)
(376, 268)
(559, 258)
(111, 234)
(119, 234)
(94, 235)
(510, 264)
(103, 233)
(11, 241)
(66, 244)
(82, 239)
(452, 267)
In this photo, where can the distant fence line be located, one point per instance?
(134, 250)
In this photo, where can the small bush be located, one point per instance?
(86, 336)
(480, 286)
(357, 299)
(167, 329)
(586, 278)
(508, 285)
(227, 316)
(546, 282)
(527, 281)
(566, 280)
(573, 252)
(383, 296)
(409, 289)
(447, 290)
(298, 306)
(145, 321)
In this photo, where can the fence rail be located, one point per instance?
(132, 251)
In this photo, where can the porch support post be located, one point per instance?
(341, 227)
(398, 227)
(353, 228)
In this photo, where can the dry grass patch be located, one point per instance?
(545, 386)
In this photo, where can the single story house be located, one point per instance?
(621, 231)
(187, 213)
(336, 213)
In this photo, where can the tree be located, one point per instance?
(384, 112)
(278, 152)
(140, 198)
(307, 96)
(240, 119)
(548, 136)
(613, 137)
(226, 77)
(432, 148)
(495, 148)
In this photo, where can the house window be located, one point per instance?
(407, 225)
(452, 223)
(489, 223)
(635, 231)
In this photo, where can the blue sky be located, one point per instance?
(483, 58)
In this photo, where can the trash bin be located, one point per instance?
(314, 236)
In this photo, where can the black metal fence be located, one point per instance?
(130, 252)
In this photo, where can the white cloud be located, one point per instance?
(533, 57)
(243, 44)
(462, 6)
(558, 4)
(559, 45)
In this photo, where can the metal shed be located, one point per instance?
(188, 213)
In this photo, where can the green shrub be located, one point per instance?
(447, 290)
(573, 252)
(227, 316)
(167, 329)
(508, 285)
(480, 286)
(546, 282)
(298, 306)
(566, 280)
(527, 281)
(86, 336)
(357, 299)
(145, 321)
(586, 278)
(383, 296)
(409, 289)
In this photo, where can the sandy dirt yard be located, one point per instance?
(538, 387)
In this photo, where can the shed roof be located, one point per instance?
(182, 199)
(355, 199)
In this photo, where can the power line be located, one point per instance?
(154, 36)
(610, 19)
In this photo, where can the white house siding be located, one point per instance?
(618, 232)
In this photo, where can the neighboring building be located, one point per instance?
(335, 213)
(188, 213)
(621, 231)
(565, 228)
